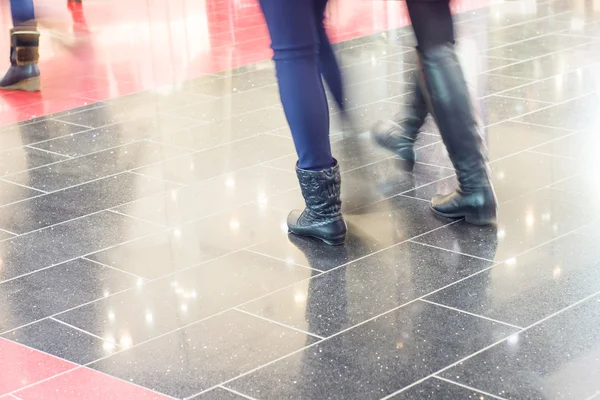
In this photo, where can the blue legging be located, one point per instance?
(22, 12)
(302, 53)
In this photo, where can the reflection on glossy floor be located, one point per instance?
(144, 254)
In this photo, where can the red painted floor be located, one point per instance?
(29, 374)
(130, 46)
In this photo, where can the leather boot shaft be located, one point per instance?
(449, 100)
(322, 218)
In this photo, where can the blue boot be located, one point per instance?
(24, 73)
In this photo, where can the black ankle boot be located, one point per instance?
(446, 92)
(398, 134)
(322, 218)
(23, 73)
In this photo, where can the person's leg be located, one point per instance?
(23, 73)
(23, 14)
(328, 64)
(399, 133)
(293, 31)
(294, 39)
(445, 90)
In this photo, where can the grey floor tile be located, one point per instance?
(576, 114)
(555, 359)
(218, 394)
(375, 359)
(100, 139)
(208, 135)
(371, 228)
(489, 84)
(31, 132)
(60, 243)
(352, 294)
(89, 198)
(512, 177)
(438, 389)
(57, 289)
(24, 158)
(560, 88)
(220, 160)
(201, 356)
(185, 297)
(60, 340)
(229, 85)
(191, 244)
(523, 224)
(546, 66)
(94, 166)
(499, 109)
(531, 286)
(11, 193)
(537, 47)
(256, 184)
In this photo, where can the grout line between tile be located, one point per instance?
(452, 251)
(245, 396)
(277, 323)
(473, 314)
(82, 331)
(112, 210)
(141, 279)
(494, 344)
(30, 146)
(42, 192)
(523, 99)
(468, 387)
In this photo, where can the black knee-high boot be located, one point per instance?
(446, 92)
(23, 73)
(322, 218)
(398, 134)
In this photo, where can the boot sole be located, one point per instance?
(473, 219)
(330, 242)
(27, 85)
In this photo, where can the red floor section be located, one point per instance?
(23, 367)
(130, 46)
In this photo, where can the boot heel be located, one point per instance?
(30, 85)
(335, 242)
(481, 217)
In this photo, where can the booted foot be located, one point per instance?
(322, 218)
(389, 135)
(399, 134)
(476, 207)
(23, 73)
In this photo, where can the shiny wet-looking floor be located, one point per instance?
(144, 253)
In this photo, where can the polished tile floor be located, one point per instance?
(144, 253)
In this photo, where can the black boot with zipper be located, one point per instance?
(23, 73)
(446, 92)
(322, 218)
(399, 134)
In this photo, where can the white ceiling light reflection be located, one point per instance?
(149, 317)
(501, 233)
(111, 316)
(234, 224)
(173, 195)
(184, 308)
(106, 293)
(511, 262)
(557, 272)
(177, 233)
(513, 340)
(108, 346)
(300, 298)
(230, 183)
(126, 341)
